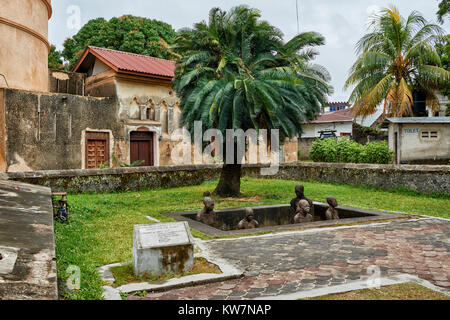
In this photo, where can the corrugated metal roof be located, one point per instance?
(133, 63)
(420, 120)
(337, 116)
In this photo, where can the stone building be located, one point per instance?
(420, 140)
(148, 109)
(115, 105)
(112, 105)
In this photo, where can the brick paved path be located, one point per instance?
(288, 263)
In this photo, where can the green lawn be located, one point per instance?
(404, 291)
(100, 228)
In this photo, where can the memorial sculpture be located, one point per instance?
(207, 215)
(300, 192)
(332, 213)
(303, 212)
(162, 248)
(249, 221)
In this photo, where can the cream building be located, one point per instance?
(420, 140)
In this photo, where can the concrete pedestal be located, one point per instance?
(163, 248)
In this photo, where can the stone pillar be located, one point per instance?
(170, 120)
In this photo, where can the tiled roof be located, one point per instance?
(337, 116)
(125, 62)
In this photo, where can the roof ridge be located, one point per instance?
(131, 53)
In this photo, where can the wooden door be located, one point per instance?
(97, 149)
(141, 148)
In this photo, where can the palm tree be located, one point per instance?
(395, 59)
(237, 73)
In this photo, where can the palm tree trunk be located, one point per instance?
(230, 181)
(230, 177)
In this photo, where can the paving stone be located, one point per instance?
(306, 287)
(218, 298)
(227, 286)
(296, 262)
(251, 274)
(354, 262)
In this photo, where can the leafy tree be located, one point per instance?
(397, 57)
(444, 10)
(55, 60)
(237, 73)
(127, 33)
(443, 49)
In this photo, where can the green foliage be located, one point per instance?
(119, 164)
(398, 56)
(55, 60)
(237, 73)
(443, 49)
(444, 10)
(127, 33)
(349, 151)
(367, 130)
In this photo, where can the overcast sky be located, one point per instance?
(342, 22)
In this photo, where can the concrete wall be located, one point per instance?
(45, 131)
(24, 46)
(305, 146)
(422, 178)
(412, 148)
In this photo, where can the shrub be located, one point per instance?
(378, 152)
(349, 151)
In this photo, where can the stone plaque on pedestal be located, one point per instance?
(162, 248)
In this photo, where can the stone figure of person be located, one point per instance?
(207, 215)
(303, 212)
(300, 192)
(332, 213)
(249, 221)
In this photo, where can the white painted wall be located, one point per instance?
(411, 145)
(99, 67)
(312, 130)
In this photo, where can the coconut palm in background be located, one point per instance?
(396, 58)
(237, 73)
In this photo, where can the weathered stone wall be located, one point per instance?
(66, 82)
(45, 131)
(426, 179)
(305, 145)
(118, 179)
(423, 178)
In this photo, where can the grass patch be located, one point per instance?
(403, 291)
(100, 226)
(125, 275)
